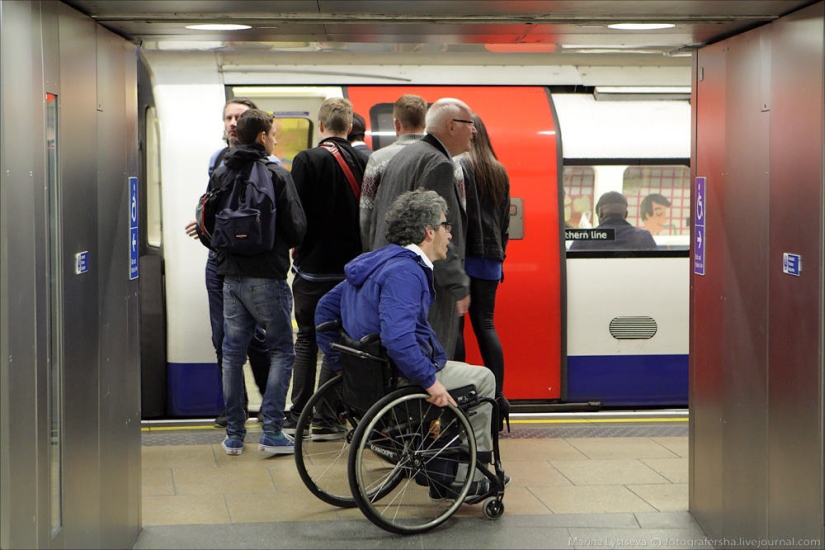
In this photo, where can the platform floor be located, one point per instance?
(577, 482)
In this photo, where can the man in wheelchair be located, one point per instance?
(389, 291)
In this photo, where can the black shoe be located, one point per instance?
(221, 420)
(503, 413)
(478, 489)
(327, 432)
(289, 425)
(441, 493)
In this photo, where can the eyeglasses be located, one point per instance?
(470, 122)
(448, 227)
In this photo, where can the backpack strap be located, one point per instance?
(333, 149)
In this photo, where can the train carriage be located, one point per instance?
(557, 311)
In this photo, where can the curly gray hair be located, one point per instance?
(411, 214)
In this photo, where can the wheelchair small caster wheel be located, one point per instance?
(493, 508)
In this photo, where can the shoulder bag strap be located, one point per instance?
(333, 149)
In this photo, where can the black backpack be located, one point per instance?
(205, 215)
(239, 218)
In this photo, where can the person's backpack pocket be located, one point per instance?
(245, 222)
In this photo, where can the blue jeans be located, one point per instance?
(258, 356)
(250, 301)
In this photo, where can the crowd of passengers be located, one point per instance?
(403, 242)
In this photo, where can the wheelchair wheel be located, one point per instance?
(321, 450)
(412, 463)
(493, 508)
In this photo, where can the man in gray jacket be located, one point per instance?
(428, 163)
(409, 115)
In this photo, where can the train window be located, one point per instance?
(293, 136)
(658, 199)
(578, 196)
(382, 126)
(153, 180)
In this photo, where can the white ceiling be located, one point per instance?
(433, 26)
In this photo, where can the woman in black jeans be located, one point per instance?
(488, 222)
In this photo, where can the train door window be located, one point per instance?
(658, 199)
(293, 136)
(578, 196)
(295, 109)
(153, 181)
(382, 126)
(55, 317)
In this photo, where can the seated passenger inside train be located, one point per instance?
(618, 233)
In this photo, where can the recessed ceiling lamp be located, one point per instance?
(218, 27)
(641, 26)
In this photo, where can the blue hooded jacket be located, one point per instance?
(387, 291)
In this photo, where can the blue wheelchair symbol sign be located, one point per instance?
(700, 201)
(134, 248)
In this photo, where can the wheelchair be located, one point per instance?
(406, 464)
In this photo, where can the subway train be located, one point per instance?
(580, 329)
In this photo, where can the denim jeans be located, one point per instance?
(258, 356)
(248, 301)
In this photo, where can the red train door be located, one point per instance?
(528, 314)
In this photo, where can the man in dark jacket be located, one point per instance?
(357, 134)
(258, 357)
(389, 291)
(612, 211)
(428, 163)
(255, 291)
(333, 237)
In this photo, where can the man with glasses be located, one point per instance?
(389, 291)
(428, 163)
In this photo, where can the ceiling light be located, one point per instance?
(641, 26)
(218, 27)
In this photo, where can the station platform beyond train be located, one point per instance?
(579, 480)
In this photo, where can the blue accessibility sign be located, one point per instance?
(699, 250)
(792, 264)
(134, 242)
(699, 228)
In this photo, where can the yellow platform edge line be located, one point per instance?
(517, 422)
(596, 421)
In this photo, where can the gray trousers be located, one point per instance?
(456, 374)
(444, 320)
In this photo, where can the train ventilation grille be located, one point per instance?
(633, 328)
